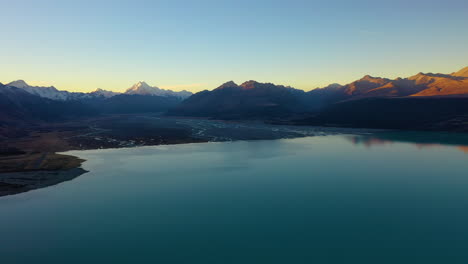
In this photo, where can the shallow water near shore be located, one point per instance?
(324, 199)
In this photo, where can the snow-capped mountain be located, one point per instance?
(51, 92)
(103, 93)
(46, 92)
(142, 88)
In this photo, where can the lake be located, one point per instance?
(324, 199)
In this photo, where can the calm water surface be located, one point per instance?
(333, 199)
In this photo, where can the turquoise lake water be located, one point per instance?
(330, 199)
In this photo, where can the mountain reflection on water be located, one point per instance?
(421, 140)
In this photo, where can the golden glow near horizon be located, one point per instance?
(76, 46)
(320, 80)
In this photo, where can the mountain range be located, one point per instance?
(252, 99)
(140, 88)
(248, 100)
(422, 84)
(18, 106)
(424, 101)
(21, 103)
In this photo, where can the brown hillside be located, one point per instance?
(461, 73)
(436, 85)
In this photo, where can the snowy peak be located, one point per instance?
(141, 85)
(19, 84)
(46, 92)
(54, 94)
(23, 85)
(103, 93)
(142, 88)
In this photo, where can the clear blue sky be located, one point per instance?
(83, 45)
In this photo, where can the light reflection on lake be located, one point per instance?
(420, 140)
(331, 199)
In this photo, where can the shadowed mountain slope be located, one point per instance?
(19, 105)
(418, 113)
(248, 100)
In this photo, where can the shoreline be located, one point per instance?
(24, 171)
(12, 183)
(30, 171)
(40, 159)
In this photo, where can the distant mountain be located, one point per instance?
(21, 103)
(461, 73)
(142, 88)
(47, 92)
(422, 84)
(422, 101)
(320, 97)
(364, 85)
(248, 100)
(51, 92)
(440, 84)
(18, 105)
(257, 100)
(103, 93)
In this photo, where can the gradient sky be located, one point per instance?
(196, 45)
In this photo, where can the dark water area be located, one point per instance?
(385, 198)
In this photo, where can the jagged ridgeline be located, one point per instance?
(332, 105)
(23, 102)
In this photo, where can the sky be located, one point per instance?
(196, 45)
